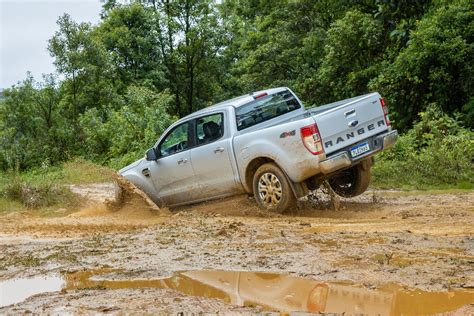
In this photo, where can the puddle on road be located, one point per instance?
(273, 292)
(17, 290)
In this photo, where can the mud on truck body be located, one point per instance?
(267, 145)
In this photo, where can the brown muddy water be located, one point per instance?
(269, 291)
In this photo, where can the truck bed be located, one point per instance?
(342, 125)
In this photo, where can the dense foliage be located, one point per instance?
(124, 80)
(438, 151)
(128, 131)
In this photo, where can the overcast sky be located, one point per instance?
(25, 28)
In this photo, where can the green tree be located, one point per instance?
(190, 38)
(352, 57)
(435, 67)
(265, 40)
(33, 128)
(129, 35)
(279, 42)
(85, 64)
(125, 134)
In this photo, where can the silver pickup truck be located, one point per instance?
(267, 145)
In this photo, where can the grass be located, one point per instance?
(8, 205)
(433, 188)
(415, 192)
(18, 196)
(47, 187)
(16, 258)
(394, 175)
(436, 154)
(434, 167)
(77, 171)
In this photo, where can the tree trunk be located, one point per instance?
(189, 59)
(74, 97)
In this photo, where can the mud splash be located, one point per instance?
(129, 195)
(268, 291)
(128, 203)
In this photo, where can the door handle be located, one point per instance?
(182, 160)
(218, 150)
(146, 172)
(349, 113)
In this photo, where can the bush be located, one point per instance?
(121, 136)
(36, 196)
(47, 186)
(437, 152)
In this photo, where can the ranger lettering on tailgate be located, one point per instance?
(359, 131)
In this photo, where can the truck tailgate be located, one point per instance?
(350, 122)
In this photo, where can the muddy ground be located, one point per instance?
(413, 240)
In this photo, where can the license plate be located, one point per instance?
(359, 149)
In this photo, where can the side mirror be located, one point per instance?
(151, 155)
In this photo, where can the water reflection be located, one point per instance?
(275, 292)
(279, 292)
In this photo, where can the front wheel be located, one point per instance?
(351, 182)
(272, 189)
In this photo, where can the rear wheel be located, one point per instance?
(351, 182)
(272, 189)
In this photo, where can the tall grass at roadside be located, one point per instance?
(39, 195)
(47, 186)
(437, 153)
(77, 171)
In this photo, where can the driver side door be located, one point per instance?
(172, 173)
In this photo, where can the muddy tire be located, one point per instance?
(272, 189)
(351, 182)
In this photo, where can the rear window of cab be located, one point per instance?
(265, 108)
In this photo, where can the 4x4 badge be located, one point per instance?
(288, 134)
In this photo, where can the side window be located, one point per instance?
(209, 128)
(176, 141)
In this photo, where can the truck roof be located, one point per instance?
(235, 102)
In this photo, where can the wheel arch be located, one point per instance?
(250, 170)
(298, 189)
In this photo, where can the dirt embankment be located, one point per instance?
(416, 240)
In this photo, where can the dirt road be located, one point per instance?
(390, 252)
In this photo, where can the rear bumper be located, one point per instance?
(343, 160)
(389, 139)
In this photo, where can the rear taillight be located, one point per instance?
(312, 139)
(385, 111)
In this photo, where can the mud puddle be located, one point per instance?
(17, 290)
(264, 291)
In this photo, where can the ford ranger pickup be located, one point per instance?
(268, 145)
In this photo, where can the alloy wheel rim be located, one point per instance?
(269, 190)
